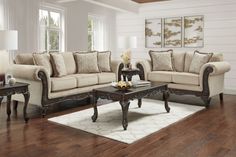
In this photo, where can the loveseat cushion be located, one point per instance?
(63, 83)
(84, 80)
(69, 62)
(24, 58)
(58, 65)
(185, 78)
(43, 59)
(160, 76)
(188, 60)
(178, 61)
(106, 78)
(161, 60)
(104, 61)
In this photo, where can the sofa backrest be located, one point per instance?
(24, 58)
(69, 62)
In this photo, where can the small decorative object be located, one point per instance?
(12, 81)
(193, 31)
(173, 32)
(153, 33)
(126, 57)
(122, 85)
(7, 78)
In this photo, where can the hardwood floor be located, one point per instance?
(209, 133)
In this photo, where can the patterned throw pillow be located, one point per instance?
(43, 59)
(104, 61)
(87, 62)
(58, 65)
(161, 60)
(199, 59)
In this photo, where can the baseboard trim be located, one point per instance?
(230, 91)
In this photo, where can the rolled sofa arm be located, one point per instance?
(217, 68)
(145, 67)
(116, 67)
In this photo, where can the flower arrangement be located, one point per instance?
(126, 57)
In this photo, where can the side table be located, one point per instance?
(18, 88)
(129, 73)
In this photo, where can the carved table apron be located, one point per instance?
(124, 98)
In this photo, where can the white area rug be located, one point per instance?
(143, 121)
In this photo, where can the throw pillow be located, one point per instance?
(69, 62)
(87, 62)
(187, 61)
(104, 61)
(58, 65)
(199, 59)
(24, 58)
(217, 57)
(43, 59)
(161, 60)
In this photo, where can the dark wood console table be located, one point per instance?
(124, 97)
(9, 90)
(129, 73)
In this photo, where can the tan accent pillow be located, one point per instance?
(87, 62)
(24, 58)
(188, 59)
(43, 59)
(104, 61)
(199, 59)
(69, 62)
(178, 61)
(58, 65)
(217, 57)
(161, 60)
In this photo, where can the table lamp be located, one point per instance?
(8, 41)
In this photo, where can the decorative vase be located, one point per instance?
(12, 81)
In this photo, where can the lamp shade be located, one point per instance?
(8, 40)
(127, 42)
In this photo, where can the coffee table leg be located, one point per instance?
(27, 97)
(8, 107)
(165, 97)
(139, 103)
(125, 108)
(95, 114)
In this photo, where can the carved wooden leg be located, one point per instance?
(27, 97)
(125, 108)
(206, 101)
(221, 97)
(15, 104)
(8, 107)
(94, 103)
(1, 98)
(139, 103)
(165, 98)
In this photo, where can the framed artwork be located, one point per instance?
(153, 33)
(193, 31)
(173, 32)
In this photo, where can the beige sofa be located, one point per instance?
(205, 84)
(46, 90)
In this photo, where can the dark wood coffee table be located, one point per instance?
(124, 97)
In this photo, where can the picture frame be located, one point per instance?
(173, 32)
(153, 33)
(194, 31)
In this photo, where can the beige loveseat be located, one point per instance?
(45, 89)
(205, 83)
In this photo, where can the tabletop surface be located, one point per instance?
(17, 84)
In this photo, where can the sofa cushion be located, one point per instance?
(58, 65)
(178, 61)
(24, 58)
(106, 78)
(43, 59)
(63, 83)
(199, 59)
(87, 62)
(217, 57)
(104, 61)
(69, 62)
(161, 60)
(84, 80)
(188, 60)
(185, 78)
(160, 76)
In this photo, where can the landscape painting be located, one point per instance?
(173, 32)
(193, 31)
(153, 33)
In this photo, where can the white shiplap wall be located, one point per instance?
(219, 28)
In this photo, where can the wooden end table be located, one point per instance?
(129, 73)
(124, 97)
(9, 90)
